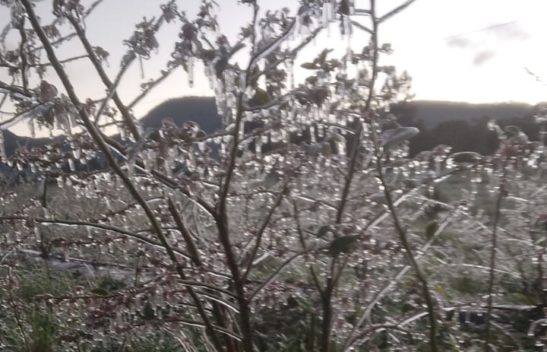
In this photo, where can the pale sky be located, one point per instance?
(457, 50)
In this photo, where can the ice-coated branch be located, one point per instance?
(113, 164)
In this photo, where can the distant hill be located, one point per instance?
(198, 109)
(429, 116)
(433, 113)
(463, 126)
(13, 141)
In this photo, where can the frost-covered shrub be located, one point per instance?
(300, 225)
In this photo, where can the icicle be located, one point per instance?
(147, 159)
(56, 125)
(274, 136)
(312, 134)
(168, 163)
(296, 30)
(272, 46)
(241, 132)
(341, 148)
(71, 164)
(321, 131)
(190, 65)
(290, 69)
(123, 134)
(284, 137)
(32, 128)
(201, 146)
(131, 168)
(211, 76)
(242, 81)
(76, 152)
(258, 147)
(3, 156)
(141, 66)
(37, 233)
(325, 15)
(70, 123)
(348, 27)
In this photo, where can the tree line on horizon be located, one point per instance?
(435, 120)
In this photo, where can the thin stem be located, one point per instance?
(19, 114)
(329, 289)
(14, 89)
(16, 315)
(280, 268)
(222, 217)
(493, 250)
(23, 55)
(411, 258)
(190, 245)
(260, 233)
(127, 117)
(151, 85)
(99, 226)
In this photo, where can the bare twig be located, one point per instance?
(395, 11)
(502, 192)
(260, 232)
(222, 216)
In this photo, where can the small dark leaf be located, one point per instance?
(343, 244)
(259, 98)
(312, 80)
(512, 130)
(466, 157)
(323, 56)
(188, 32)
(99, 291)
(318, 95)
(47, 92)
(323, 231)
(326, 149)
(309, 66)
(343, 9)
(148, 312)
(430, 229)
(201, 134)
(101, 53)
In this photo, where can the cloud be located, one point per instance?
(483, 56)
(459, 42)
(502, 32)
(508, 31)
